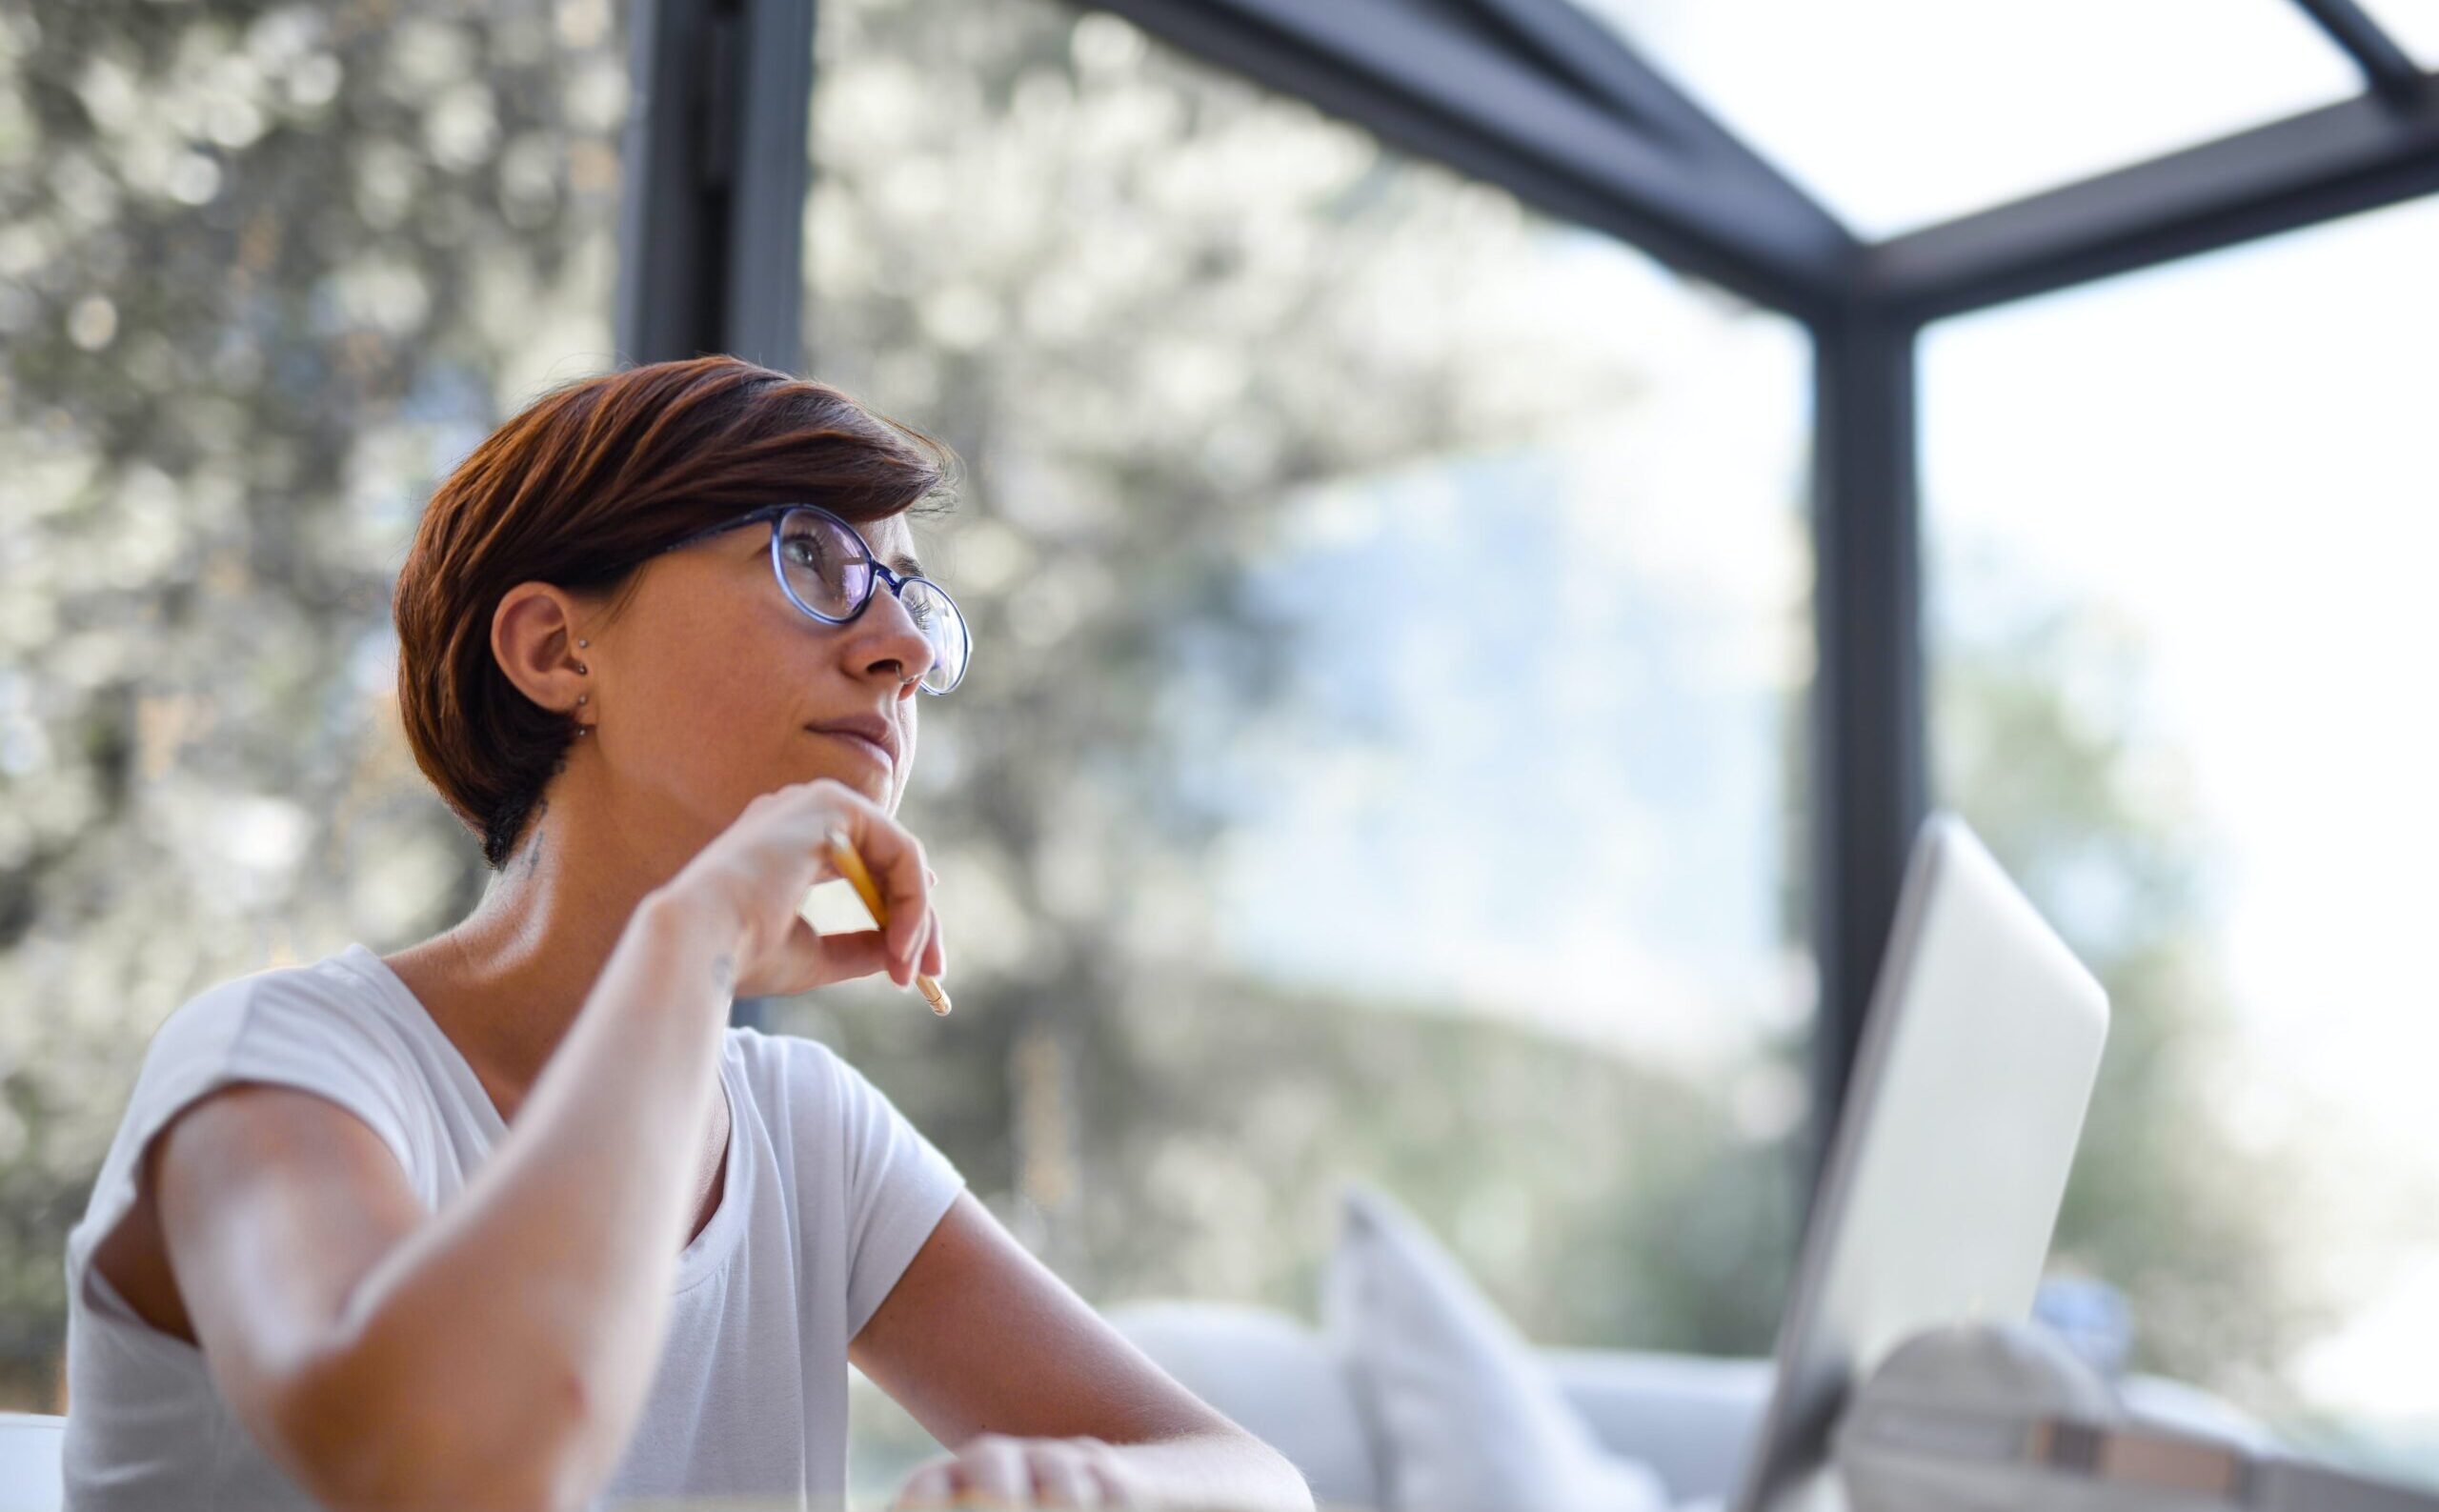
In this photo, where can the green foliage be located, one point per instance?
(263, 272)
(1147, 303)
(2053, 767)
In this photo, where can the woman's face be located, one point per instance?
(709, 687)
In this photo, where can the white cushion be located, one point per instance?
(1691, 1418)
(1467, 1419)
(1273, 1378)
(29, 1460)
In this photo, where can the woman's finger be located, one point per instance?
(995, 1469)
(805, 960)
(1060, 1477)
(934, 1484)
(1117, 1489)
(842, 957)
(900, 873)
(893, 861)
(920, 955)
(914, 902)
(937, 954)
(899, 915)
(927, 948)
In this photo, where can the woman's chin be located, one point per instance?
(857, 763)
(859, 776)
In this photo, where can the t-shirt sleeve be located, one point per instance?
(287, 1027)
(898, 1187)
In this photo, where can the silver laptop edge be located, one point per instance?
(1950, 1154)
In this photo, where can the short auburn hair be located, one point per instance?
(580, 489)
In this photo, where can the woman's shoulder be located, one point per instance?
(324, 1026)
(316, 1009)
(804, 1090)
(318, 1026)
(783, 1069)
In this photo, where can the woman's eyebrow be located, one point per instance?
(905, 565)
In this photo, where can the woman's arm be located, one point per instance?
(992, 1352)
(494, 1354)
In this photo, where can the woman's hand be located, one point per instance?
(994, 1469)
(751, 878)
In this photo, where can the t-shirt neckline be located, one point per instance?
(718, 1237)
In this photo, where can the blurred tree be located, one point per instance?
(265, 271)
(2052, 770)
(1147, 302)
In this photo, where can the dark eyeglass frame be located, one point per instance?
(879, 572)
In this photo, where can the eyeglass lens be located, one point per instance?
(830, 573)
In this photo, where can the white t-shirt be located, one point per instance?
(829, 1193)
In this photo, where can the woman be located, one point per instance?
(512, 1219)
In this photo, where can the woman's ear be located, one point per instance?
(533, 638)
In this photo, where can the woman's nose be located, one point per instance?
(897, 639)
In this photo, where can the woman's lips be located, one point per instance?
(870, 747)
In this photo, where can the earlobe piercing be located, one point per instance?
(583, 729)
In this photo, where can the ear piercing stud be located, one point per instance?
(583, 729)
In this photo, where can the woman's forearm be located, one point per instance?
(504, 1349)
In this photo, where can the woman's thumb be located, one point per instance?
(816, 960)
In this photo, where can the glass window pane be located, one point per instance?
(1381, 755)
(264, 277)
(2180, 554)
(1898, 113)
(2413, 23)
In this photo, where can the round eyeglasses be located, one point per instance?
(826, 568)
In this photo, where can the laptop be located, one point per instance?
(1950, 1153)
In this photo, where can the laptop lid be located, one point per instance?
(1950, 1154)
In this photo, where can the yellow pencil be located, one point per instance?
(852, 867)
